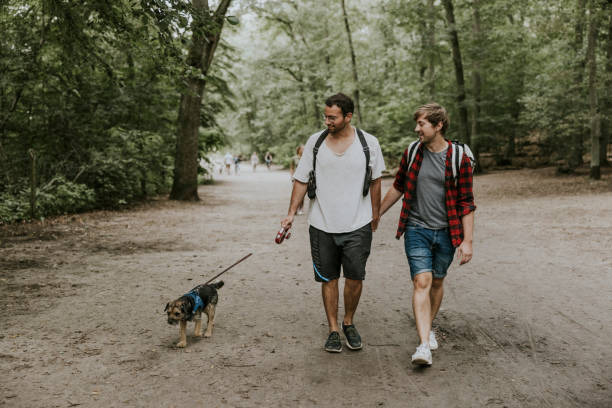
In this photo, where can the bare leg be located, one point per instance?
(352, 293)
(329, 290)
(421, 304)
(436, 295)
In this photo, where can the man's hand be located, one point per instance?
(375, 221)
(287, 222)
(465, 252)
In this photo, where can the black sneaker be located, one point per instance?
(353, 339)
(333, 344)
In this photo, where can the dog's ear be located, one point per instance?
(183, 308)
(167, 306)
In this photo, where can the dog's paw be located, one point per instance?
(198, 334)
(207, 335)
(181, 344)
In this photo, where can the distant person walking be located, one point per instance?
(254, 161)
(228, 159)
(295, 160)
(437, 216)
(346, 170)
(237, 160)
(268, 159)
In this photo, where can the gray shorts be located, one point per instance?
(331, 251)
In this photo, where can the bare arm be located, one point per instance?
(390, 198)
(375, 197)
(297, 195)
(465, 249)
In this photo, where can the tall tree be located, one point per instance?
(458, 63)
(577, 149)
(206, 29)
(593, 105)
(431, 40)
(606, 105)
(353, 62)
(476, 77)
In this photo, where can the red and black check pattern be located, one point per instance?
(458, 193)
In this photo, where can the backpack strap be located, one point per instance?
(366, 148)
(456, 157)
(412, 150)
(459, 150)
(323, 135)
(315, 150)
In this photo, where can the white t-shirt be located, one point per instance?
(340, 205)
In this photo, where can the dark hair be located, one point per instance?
(434, 113)
(342, 101)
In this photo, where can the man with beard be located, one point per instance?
(347, 167)
(437, 216)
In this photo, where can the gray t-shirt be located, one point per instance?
(428, 207)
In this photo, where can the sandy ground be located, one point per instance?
(528, 323)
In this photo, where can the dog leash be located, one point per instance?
(228, 268)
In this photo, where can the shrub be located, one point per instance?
(59, 196)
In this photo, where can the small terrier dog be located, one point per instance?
(190, 306)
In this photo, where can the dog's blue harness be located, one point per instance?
(197, 302)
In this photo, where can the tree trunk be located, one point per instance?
(206, 33)
(477, 80)
(464, 134)
(577, 150)
(606, 108)
(353, 64)
(431, 54)
(593, 107)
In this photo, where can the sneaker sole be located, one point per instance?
(347, 342)
(353, 348)
(421, 362)
(333, 350)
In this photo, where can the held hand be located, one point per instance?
(465, 252)
(375, 222)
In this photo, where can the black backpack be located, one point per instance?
(312, 181)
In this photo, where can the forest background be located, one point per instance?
(103, 103)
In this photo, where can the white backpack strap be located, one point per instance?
(412, 151)
(456, 157)
(460, 149)
(470, 155)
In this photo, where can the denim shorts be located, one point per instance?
(428, 250)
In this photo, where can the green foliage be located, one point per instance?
(530, 72)
(59, 196)
(93, 89)
(133, 165)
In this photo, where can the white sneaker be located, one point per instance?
(422, 355)
(433, 343)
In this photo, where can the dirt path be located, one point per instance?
(528, 323)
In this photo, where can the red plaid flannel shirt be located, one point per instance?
(458, 195)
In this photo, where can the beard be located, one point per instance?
(336, 129)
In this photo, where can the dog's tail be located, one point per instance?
(217, 285)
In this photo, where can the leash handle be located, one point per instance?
(281, 235)
(228, 268)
